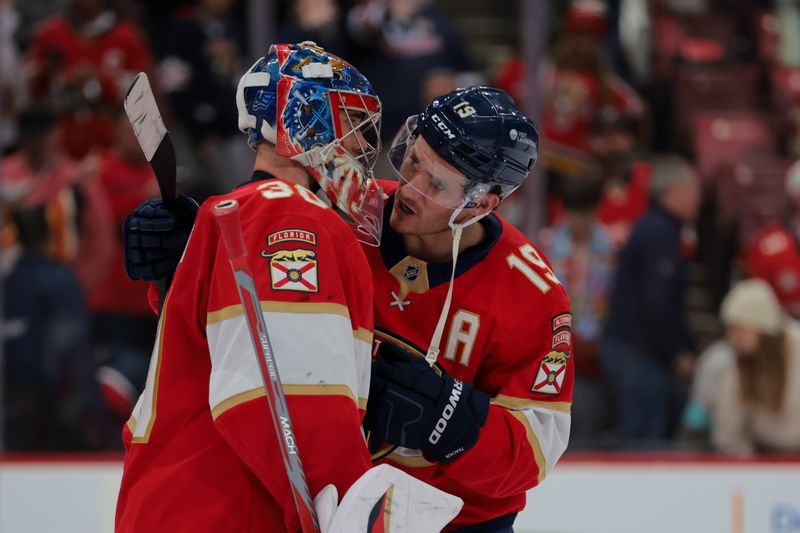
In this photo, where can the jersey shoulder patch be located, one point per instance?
(553, 368)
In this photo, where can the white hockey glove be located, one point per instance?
(387, 496)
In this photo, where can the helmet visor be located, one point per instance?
(418, 166)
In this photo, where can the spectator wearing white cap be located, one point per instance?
(773, 254)
(756, 406)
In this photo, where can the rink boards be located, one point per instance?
(596, 493)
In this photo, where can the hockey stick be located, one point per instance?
(226, 214)
(154, 139)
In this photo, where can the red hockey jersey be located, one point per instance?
(509, 334)
(201, 451)
(774, 255)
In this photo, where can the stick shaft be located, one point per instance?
(227, 217)
(156, 144)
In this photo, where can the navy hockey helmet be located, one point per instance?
(481, 133)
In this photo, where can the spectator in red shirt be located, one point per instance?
(773, 254)
(127, 180)
(626, 178)
(577, 84)
(123, 323)
(82, 63)
(76, 208)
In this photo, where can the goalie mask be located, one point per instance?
(483, 143)
(320, 111)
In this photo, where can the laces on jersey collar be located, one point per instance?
(436, 339)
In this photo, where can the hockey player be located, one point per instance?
(201, 453)
(495, 422)
(492, 418)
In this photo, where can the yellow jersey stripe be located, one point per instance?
(514, 403)
(235, 310)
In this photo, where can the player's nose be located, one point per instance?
(408, 192)
(355, 143)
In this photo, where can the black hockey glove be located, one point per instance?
(153, 238)
(411, 405)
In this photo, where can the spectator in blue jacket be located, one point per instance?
(52, 399)
(647, 347)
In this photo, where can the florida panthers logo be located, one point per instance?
(293, 270)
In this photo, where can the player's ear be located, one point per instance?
(487, 202)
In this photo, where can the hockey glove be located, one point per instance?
(410, 405)
(153, 238)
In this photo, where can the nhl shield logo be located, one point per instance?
(411, 272)
(551, 373)
(293, 270)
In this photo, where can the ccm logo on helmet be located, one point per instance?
(447, 412)
(442, 126)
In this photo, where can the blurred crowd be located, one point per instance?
(669, 134)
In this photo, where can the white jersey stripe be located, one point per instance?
(322, 350)
(548, 435)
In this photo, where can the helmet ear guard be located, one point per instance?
(474, 192)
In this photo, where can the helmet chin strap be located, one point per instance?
(436, 339)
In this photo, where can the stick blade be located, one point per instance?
(153, 137)
(143, 114)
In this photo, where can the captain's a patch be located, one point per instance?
(293, 270)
